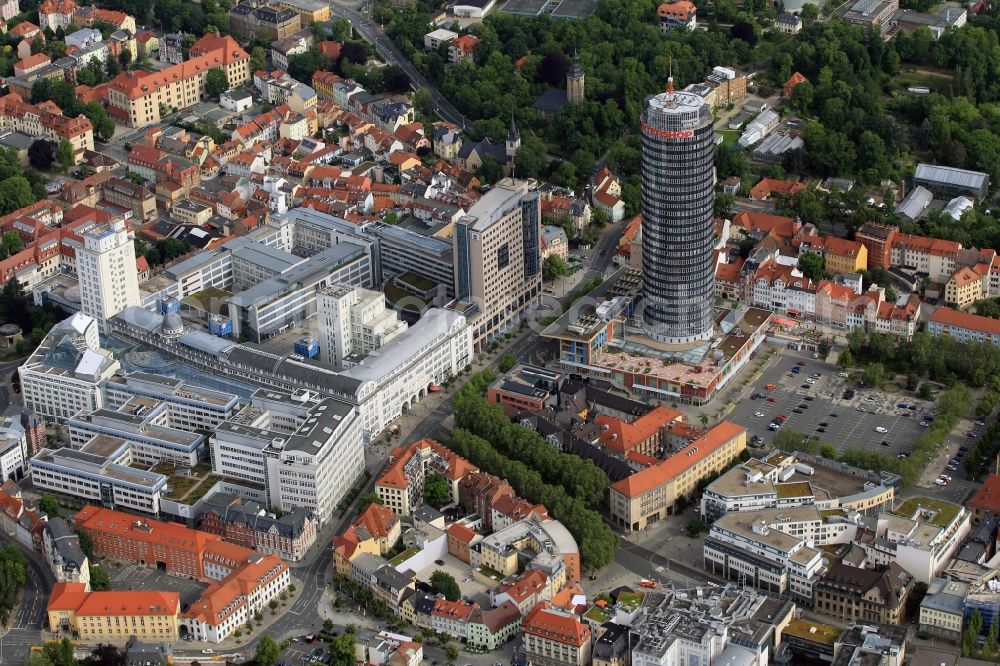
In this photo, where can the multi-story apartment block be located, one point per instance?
(16, 115)
(105, 266)
(13, 447)
(113, 617)
(555, 637)
(934, 256)
(775, 550)
(679, 14)
(55, 14)
(136, 98)
(497, 259)
(248, 524)
(452, 617)
(131, 196)
(491, 629)
(650, 494)
(172, 48)
(783, 289)
(786, 480)
(62, 552)
(963, 326)
(859, 595)
(306, 451)
(354, 321)
(879, 240)
(9, 9)
(401, 485)
(556, 552)
(64, 374)
(256, 19)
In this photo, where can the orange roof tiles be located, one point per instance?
(964, 276)
(948, 317)
(653, 477)
(681, 10)
(461, 533)
(729, 272)
(935, 246)
(524, 586)
(795, 79)
(622, 436)
(454, 610)
(393, 475)
(377, 520)
(545, 622)
(203, 58)
(465, 44)
(987, 497)
(771, 186)
(74, 597)
(837, 292)
(784, 227)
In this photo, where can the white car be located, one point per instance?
(945, 477)
(924, 424)
(940, 482)
(842, 374)
(758, 414)
(810, 380)
(881, 430)
(208, 651)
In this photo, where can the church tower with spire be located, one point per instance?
(513, 138)
(575, 81)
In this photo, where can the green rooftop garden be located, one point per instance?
(597, 614)
(813, 631)
(405, 555)
(944, 512)
(210, 299)
(798, 489)
(629, 601)
(395, 294)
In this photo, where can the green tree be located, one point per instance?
(724, 205)
(342, 648)
(104, 126)
(15, 193)
(257, 59)
(990, 647)
(267, 651)
(970, 637)
(554, 266)
(216, 82)
(86, 544)
(828, 451)
(60, 653)
(365, 499)
(41, 154)
(444, 583)
(65, 155)
(812, 266)
(38, 659)
(437, 491)
(489, 171)
(695, 527)
(507, 362)
(99, 578)
(49, 505)
(451, 652)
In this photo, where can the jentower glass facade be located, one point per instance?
(678, 199)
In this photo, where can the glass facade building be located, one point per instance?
(678, 199)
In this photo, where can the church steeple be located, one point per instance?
(575, 81)
(513, 137)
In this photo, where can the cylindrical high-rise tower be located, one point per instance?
(678, 200)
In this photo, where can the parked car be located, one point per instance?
(881, 429)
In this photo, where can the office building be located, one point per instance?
(105, 266)
(942, 610)
(403, 250)
(256, 19)
(498, 275)
(774, 550)
(678, 181)
(64, 374)
(853, 594)
(354, 321)
(13, 448)
(716, 625)
(113, 617)
(99, 472)
(533, 543)
(306, 451)
(650, 494)
(190, 407)
(783, 480)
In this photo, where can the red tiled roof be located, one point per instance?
(74, 597)
(226, 50)
(988, 496)
(948, 317)
(465, 44)
(622, 436)
(461, 533)
(547, 623)
(681, 10)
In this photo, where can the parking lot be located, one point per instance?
(820, 408)
(136, 577)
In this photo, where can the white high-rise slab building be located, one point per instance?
(105, 266)
(353, 320)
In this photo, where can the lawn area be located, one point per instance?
(630, 600)
(729, 137)
(414, 280)
(797, 489)
(597, 614)
(933, 80)
(405, 555)
(944, 512)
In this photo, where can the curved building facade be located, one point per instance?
(678, 199)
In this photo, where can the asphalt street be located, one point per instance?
(27, 619)
(392, 56)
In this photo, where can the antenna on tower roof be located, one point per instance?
(670, 80)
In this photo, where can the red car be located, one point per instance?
(782, 418)
(800, 363)
(772, 399)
